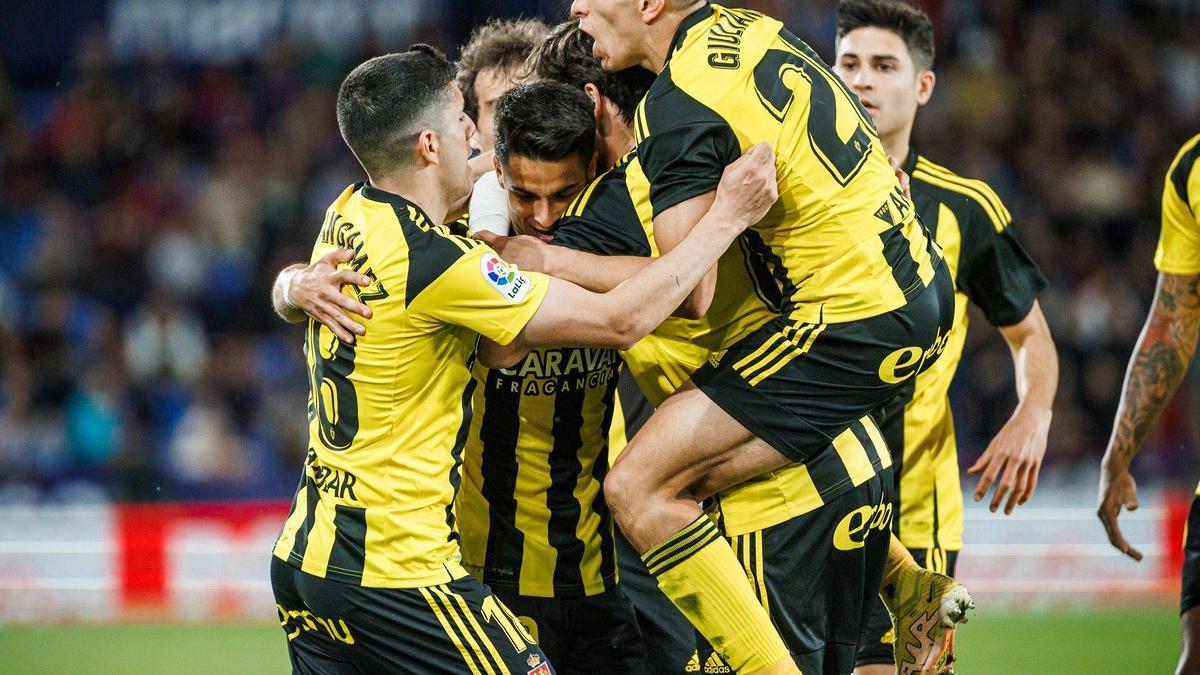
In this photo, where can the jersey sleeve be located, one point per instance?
(1179, 241)
(482, 292)
(995, 272)
(588, 235)
(685, 148)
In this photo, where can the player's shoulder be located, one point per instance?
(1183, 174)
(606, 212)
(607, 191)
(429, 249)
(963, 195)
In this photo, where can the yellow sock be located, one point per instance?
(698, 571)
(899, 560)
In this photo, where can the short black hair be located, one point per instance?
(384, 102)
(545, 121)
(910, 23)
(566, 56)
(499, 44)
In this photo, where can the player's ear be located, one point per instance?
(651, 10)
(591, 170)
(926, 81)
(499, 171)
(593, 93)
(427, 146)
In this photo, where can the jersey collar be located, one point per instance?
(910, 162)
(688, 23)
(392, 199)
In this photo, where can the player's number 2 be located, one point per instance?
(335, 403)
(843, 158)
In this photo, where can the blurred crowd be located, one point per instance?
(145, 207)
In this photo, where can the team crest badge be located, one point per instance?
(508, 281)
(538, 666)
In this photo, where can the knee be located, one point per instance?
(620, 490)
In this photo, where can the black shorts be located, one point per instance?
(1190, 595)
(876, 647)
(586, 635)
(798, 386)
(669, 636)
(818, 573)
(341, 629)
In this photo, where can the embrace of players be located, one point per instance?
(673, 396)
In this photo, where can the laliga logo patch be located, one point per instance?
(505, 278)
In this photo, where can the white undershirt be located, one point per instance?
(489, 206)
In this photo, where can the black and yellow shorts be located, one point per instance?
(593, 634)
(876, 647)
(455, 628)
(818, 573)
(798, 385)
(1190, 595)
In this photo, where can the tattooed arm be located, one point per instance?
(1158, 366)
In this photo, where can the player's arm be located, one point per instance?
(1159, 363)
(604, 273)
(1018, 449)
(302, 291)
(573, 316)
(597, 273)
(670, 228)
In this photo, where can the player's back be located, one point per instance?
(843, 242)
(388, 415)
(614, 216)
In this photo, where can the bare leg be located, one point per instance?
(1189, 661)
(689, 449)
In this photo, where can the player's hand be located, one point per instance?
(316, 290)
(749, 187)
(1017, 451)
(481, 164)
(1117, 490)
(905, 180)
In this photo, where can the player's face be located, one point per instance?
(490, 85)
(539, 192)
(876, 64)
(617, 28)
(455, 145)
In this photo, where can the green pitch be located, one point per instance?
(1111, 642)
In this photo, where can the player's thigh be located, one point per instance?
(606, 637)
(669, 636)
(1189, 660)
(311, 649)
(685, 442)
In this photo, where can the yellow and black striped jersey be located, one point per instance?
(843, 243)
(992, 271)
(531, 509)
(1179, 245)
(389, 415)
(613, 216)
